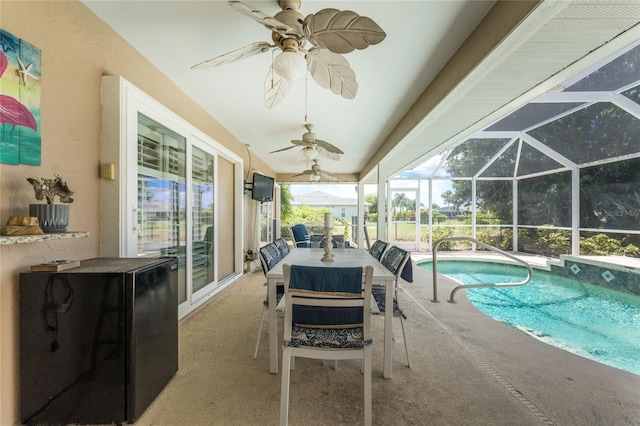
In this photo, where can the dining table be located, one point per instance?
(349, 257)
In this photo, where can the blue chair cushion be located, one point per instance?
(379, 294)
(279, 294)
(393, 258)
(301, 235)
(319, 280)
(326, 317)
(316, 241)
(326, 280)
(283, 247)
(377, 249)
(407, 272)
(338, 241)
(270, 254)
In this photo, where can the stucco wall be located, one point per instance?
(77, 49)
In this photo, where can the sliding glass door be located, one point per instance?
(173, 185)
(161, 195)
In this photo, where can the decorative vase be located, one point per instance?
(51, 217)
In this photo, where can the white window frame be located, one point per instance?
(122, 102)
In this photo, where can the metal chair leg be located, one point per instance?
(264, 312)
(404, 337)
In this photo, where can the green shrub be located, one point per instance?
(602, 245)
(439, 233)
(507, 239)
(488, 237)
(553, 242)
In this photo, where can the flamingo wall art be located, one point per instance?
(20, 138)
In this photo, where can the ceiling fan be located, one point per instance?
(312, 147)
(316, 173)
(314, 43)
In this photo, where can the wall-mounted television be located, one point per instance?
(262, 187)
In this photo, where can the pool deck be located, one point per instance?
(466, 369)
(628, 264)
(557, 385)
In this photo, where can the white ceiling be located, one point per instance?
(422, 36)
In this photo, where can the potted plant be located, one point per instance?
(51, 217)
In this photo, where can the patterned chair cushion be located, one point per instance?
(317, 241)
(328, 337)
(338, 241)
(279, 294)
(379, 294)
(270, 254)
(393, 258)
(283, 247)
(378, 248)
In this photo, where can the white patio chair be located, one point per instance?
(270, 255)
(394, 259)
(328, 317)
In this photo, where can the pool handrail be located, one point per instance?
(488, 247)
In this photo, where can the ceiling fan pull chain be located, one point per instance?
(306, 97)
(271, 69)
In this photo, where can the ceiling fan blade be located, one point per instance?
(331, 148)
(328, 154)
(306, 172)
(333, 72)
(270, 22)
(342, 31)
(276, 88)
(282, 149)
(235, 55)
(328, 176)
(300, 143)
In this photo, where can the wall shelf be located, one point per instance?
(21, 239)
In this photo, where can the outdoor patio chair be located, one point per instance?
(378, 248)
(394, 259)
(327, 317)
(300, 236)
(269, 257)
(317, 241)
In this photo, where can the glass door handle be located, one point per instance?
(134, 220)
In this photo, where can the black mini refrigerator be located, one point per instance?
(97, 342)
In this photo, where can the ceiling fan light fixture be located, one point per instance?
(314, 177)
(310, 153)
(290, 64)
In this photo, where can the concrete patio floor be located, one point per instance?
(466, 369)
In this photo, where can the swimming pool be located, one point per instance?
(588, 320)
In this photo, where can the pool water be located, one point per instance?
(588, 320)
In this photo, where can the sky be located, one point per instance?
(350, 190)
(427, 169)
